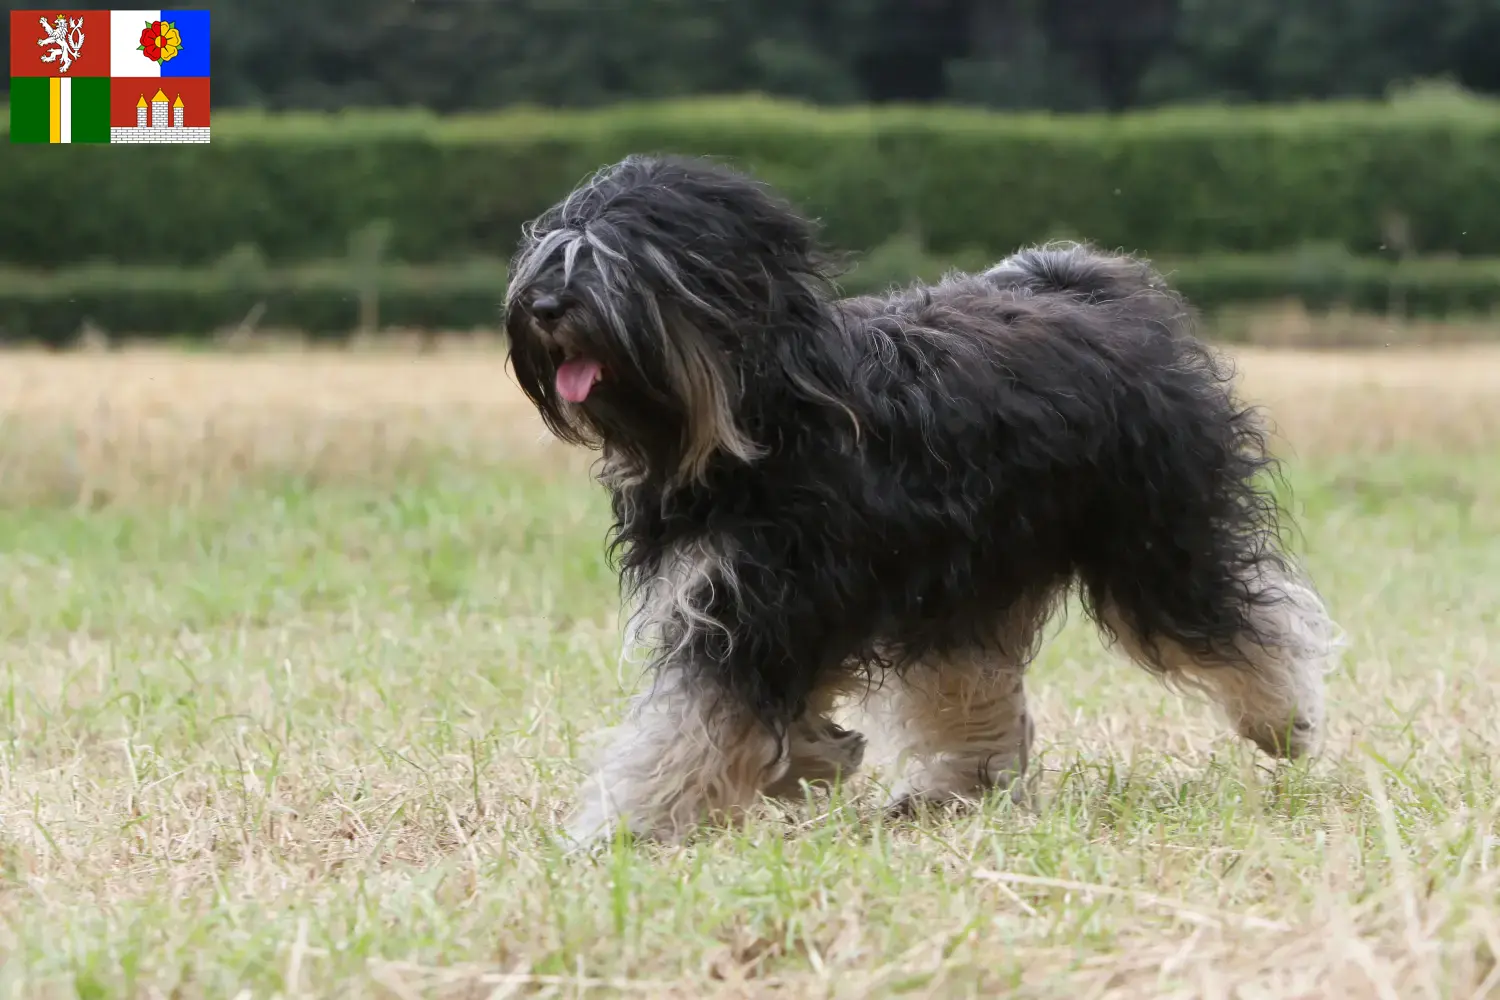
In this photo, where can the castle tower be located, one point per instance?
(177, 112)
(159, 110)
(140, 112)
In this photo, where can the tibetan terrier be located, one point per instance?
(884, 499)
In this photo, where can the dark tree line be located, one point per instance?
(1055, 54)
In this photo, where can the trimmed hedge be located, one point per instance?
(1177, 182)
(324, 300)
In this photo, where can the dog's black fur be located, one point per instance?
(882, 481)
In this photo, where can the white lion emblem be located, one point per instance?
(67, 38)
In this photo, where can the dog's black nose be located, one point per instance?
(548, 308)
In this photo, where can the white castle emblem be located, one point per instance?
(158, 121)
(159, 112)
(66, 38)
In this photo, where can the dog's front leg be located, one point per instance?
(687, 752)
(735, 705)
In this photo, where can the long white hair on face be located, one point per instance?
(619, 299)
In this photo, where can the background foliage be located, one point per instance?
(389, 150)
(1372, 178)
(451, 55)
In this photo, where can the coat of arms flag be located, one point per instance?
(112, 76)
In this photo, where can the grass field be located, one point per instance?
(297, 650)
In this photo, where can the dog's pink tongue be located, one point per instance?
(575, 377)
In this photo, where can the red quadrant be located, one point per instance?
(125, 92)
(26, 54)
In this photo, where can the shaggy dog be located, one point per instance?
(889, 496)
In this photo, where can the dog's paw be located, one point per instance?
(1302, 737)
(900, 805)
(905, 804)
(835, 755)
(961, 780)
(592, 828)
(585, 843)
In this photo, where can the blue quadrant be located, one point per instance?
(192, 60)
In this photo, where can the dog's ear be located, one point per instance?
(709, 398)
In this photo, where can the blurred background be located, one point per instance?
(372, 161)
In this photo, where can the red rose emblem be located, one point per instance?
(151, 41)
(160, 41)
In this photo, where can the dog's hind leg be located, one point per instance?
(817, 750)
(1268, 678)
(952, 728)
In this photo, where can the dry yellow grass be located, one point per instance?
(166, 425)
(154, 423)
(312, 743)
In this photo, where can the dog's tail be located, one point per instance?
(1082, 271)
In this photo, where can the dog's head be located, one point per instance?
(642, 304)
